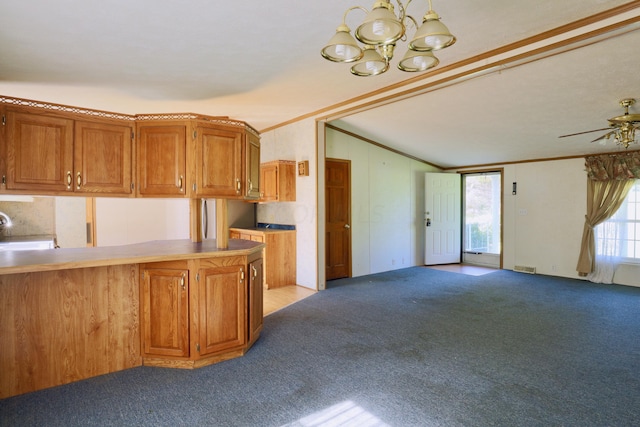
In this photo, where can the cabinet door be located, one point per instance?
(102, 158)
(219, 163)
(255, 299)
(165, 312)
(269, 182)
(223, 310)
(252, 166)
(39, 152)
(162, 160)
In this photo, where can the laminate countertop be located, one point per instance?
(263, 230)
(12, 262)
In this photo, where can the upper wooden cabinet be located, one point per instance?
(227, 162)
(278, 180)
(102, 157)
(39, 152)
(252, 166)
(162, 164)
(53, 149)
(198, 158)
(218, 162)
(52, 154)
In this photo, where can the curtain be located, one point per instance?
(607, 251)
(610, 179)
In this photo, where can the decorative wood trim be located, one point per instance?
(463, 169)
(64, 108)
(221, 120)
(377, 144)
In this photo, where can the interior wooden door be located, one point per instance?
(338, 218)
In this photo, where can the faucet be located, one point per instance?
(5, 221)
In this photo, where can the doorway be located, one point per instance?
(482, 219)
(442, 218)
(338, 218)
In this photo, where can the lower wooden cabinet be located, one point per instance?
(165, 310)
(279, 253)
(199, 312)
(223, 307)
(256, 302)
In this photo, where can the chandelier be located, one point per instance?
(624, 132)
(380, 31)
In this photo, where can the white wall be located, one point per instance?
(543, 222)
(387, 205)
(125, 221)
(297, 142)
(71, 220)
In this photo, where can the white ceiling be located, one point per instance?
(259, 62)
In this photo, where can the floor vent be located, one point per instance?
(524, 269)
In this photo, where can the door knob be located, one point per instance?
(347, 226)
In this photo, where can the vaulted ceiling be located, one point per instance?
(520, 74)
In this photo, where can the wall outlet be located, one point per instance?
(523, 212)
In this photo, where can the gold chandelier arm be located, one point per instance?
(403, 10)
(412, 19)
(344, 17)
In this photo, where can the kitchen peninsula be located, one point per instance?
(71, 314)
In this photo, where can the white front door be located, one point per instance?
(442, 218)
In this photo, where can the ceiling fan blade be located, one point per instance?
(605, 136)
(582, 133)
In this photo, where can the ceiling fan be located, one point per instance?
(622, 128)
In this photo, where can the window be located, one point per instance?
(619, 236)
(482, 212)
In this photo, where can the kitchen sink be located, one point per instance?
(27, 243)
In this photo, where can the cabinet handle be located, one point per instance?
(254, 270)
(238, 186)
(182, 282)
(78, 181)
(68, 180)
(180, 182)
(250, 186)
